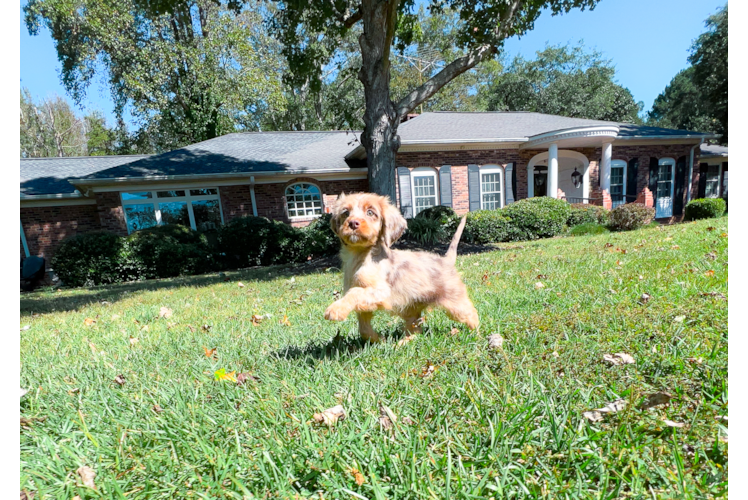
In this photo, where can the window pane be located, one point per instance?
(303, 200)
(143, 195)
(174, 213)
(207, 214)
(140, 216)
(616, 176)
(203, 192)
(170, 194)
(491, 201)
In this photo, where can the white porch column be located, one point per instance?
(553, 171)
(530, 181)
(605, 166)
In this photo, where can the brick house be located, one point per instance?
(468, 161)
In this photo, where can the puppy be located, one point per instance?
(377, 277)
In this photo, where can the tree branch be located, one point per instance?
(349, 19)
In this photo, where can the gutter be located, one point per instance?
(57, 196)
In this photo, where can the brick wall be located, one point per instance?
(236, 201)
(111, 215)
(46, 227)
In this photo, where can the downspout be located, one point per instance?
(690, 172)
(252, 194)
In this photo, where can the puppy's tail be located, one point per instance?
(451, 255)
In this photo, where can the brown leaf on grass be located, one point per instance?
(619, 358)
(711, 228)
(656, 399)
(427, 370)
(539, 285)
(330, 416)
(454, 331)
(256, 319)
(598, 414)
(206, 328)
(285, 321)
(674, 247)
(608, 245)
(711, 255)
(644, 298)
(387, 418)
(405, 340)
(120, 380)
(192, 328)
(89, 321)
(723, 235)
(240, 284)
(243, 377)
(357, 476)
(622, 250)
(542, 277)
(87, 476)
(27, 421)
(709, 273)
(408, 421)
(29, 495)
(696, 361)
(716, 295)
(133, 341)
(210, 353)
(495, 341)
(670, 423)
(157, 409)
(165, 313)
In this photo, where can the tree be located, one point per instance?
(566, 81)
(311, 31)
(100, 140)
(50, 128)
(683, 105)
(187, 70)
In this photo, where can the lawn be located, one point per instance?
(472, 422)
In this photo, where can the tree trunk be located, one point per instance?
(380, 116)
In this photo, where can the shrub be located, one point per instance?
(438, 213)
(588, 228)
(630, 216)
(704, 208)
(486, 226)
(582, 213)
(164, 252)
(533, 218)
(426, 231)
(321, 239)
(89, 259)
(251, 241)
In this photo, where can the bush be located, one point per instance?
(704, 208)
(425, 231)
(582, 213)
(252, 241)
(164, 252)
(588, 228)
(438, 213)
(533, 218)
(630, 216)
(486, 226)
(321, 239)
(89, 259)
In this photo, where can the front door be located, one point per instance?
(541, 181)
(664, 191)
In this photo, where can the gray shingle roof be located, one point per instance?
(713, 151)
(497, 125)
(50, 175)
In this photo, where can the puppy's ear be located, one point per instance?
(393, 223)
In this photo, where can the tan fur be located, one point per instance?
(379, 278)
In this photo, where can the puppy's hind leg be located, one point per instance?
(459, 308)
(365, 329)
(412, 319)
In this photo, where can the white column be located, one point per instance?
(530, 181)
(586, 183)
(605, 166)
(553, 171)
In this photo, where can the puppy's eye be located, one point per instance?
(371, 213)
(344, 212)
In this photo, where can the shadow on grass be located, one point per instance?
(336, 347)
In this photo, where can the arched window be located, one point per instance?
(491, 187)
(303, 200)
(618, 182)
(425, 188)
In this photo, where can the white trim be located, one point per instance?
(603, 131)
(305, 216)
(719, 180)
(562, 153)
(155, 201)
(493, 169)
(23, 241)
(619, 164)
(661, 162)
(431, 172)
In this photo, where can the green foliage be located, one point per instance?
(565, 81)
(487, 226)
(50, 128)
(683, 105)
(704, 208)
(254, 241)
(89, 259)
(539, 217)
(588, 228)
(320, 238)
(630, 216)
(164, 252)
(583, 213)
(438, 213)
(425, 231)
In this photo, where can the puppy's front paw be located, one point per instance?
(337, 311)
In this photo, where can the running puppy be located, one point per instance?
(377, 277)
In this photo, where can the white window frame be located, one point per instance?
(494, 169)
(304, 217)
(619, 164)
(719, 180)
(660, 163)
(423, 172)
(155, 200)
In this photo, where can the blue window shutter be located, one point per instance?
(653, 167)
(406, 195)
(445, 186)
(510, 183)
(680, 181)
(474, 187)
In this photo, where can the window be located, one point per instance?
(491, 187)
(425, 192)
(665, 178)
(712, 181)
(618, 182)
(303, 200)
(199, 209)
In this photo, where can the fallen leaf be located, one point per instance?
(165, 312)
(454, 331)
(670, 423)
(597, 415)
(723, 235)
(539, 285)
(696, 361)
(408, 421)
(405, 340)
(210, 353)
(157, 409)
(330, 416)
(206, 328)
(222, 375)
(89, 321)
(619, 358)
(711, 255)
(358, 477)
(25, 327)
(709, 273)
(192, 328)
(554, 354)
(541, 277)
(427, 370)
(608, 245)
(256, 319)
(387, 418)
(656, 399)
(133, 340)
(285, 321)
(23, 392)
(29, 495)
(120, 380)
(495, 341)
(243, 377)
(716, 295)
(710, 228)
(240, 284)
(145, 328)
(87, 475)
(593, 416)
(679, 319)
(645, 298)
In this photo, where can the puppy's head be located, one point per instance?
(366, 219)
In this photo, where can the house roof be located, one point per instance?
(713, 151)
(44, 176)
(512, 126)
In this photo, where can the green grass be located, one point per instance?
(501, 424)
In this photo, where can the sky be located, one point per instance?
(647, 40)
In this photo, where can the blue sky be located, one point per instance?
(648, 41)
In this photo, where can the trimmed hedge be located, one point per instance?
(426, 231)
(631, 216)
(487, 226)
(252, 241)
(539, 217)
(89, 259)
(438, 213)
(583, 213)
(704, 208)
(165, 252)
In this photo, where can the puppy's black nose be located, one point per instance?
(353, 224)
